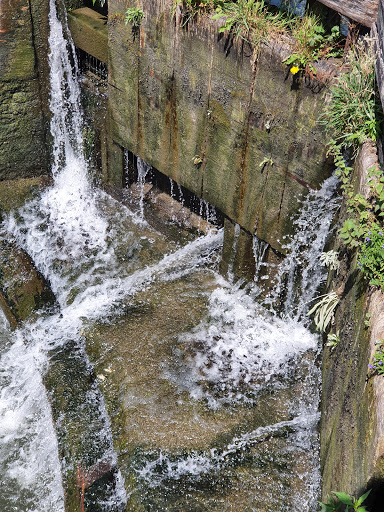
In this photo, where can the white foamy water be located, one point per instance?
(196, 464)
(29, 463)
(300, 274)
(244, 347)
(142, 170)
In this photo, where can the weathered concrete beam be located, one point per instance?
(362, 11)
(89, 32)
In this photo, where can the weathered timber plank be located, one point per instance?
(377, 32)
(362, 11)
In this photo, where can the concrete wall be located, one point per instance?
(352, 429)
(179, 92)
(23, 89)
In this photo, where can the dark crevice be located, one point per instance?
(172, 188)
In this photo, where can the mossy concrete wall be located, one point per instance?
(352, 429)
(23, 88)
(176, 92)
(23, 290)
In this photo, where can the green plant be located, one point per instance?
(312, 43)
(251, 20)
(351, 114)
(266, 161)
(324, 310)
(101, 2)
(330, 259)
(333, 340)
(377, 362)
(371, 255)
(367, 320)
(344, 502)
(192, 8)
(134, 16)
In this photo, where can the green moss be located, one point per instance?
(21, 62)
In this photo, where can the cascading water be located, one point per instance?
(232, 374)
(142, 170)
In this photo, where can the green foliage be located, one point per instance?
(193, 8)
(333, 340)
(134, 15)
(371, 255)
(364, 228)
(344, 502)
(351, 117)
(312, 43)
(101, 2)
(324, 310)
(251, 20)
(377, 363)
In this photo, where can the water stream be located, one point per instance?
(155, 383)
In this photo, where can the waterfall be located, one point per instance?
(142, 170)
(240, 359)
(300, 274)
(259, 248)
(29, 465)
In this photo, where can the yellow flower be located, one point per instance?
(294, 70)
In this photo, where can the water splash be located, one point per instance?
(69, 204)
(259, 248)
(300, 274)
(142, 170)
(195, 464)
(29, 463)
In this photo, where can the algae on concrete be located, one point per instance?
(176, 93)
(352, 436)
(22, 121)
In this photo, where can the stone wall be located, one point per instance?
(23, 89)
(352, 430)
(178, 94)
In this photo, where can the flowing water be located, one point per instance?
(154, 383)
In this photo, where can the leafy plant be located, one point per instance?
(351, 114)
(192, 8)
(333, 340)
(367, 320)
(251, 20)
(312, 43)
(371, 255)
(101, 2)
(324, 310)
(266, 161)
(377, 362)
(330, 259)
(344, 502)
(134, 16)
